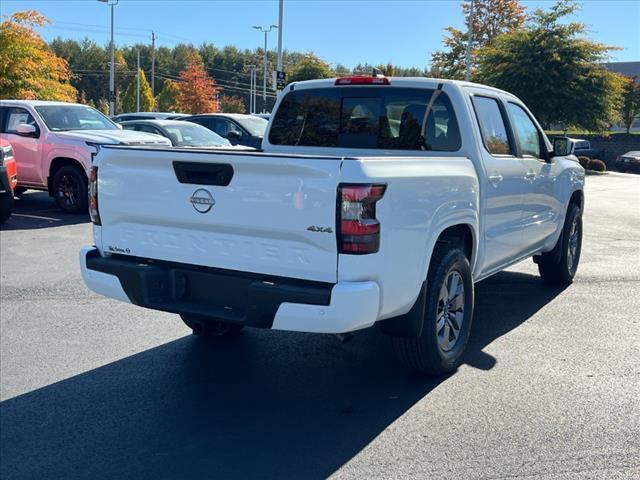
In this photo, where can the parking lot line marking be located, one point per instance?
(36, 217)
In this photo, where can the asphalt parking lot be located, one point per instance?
(92, 388)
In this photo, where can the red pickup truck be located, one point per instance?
(8, 179)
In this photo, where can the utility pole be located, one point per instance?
(264, 67)
(252, 86)
(255, 90)
(112, 66)
(153, 64)
(138, 83)
(467, 75)
(280, 13)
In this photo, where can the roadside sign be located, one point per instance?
(281, 80)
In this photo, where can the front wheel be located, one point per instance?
(559, 266)
(70, 189)
(447, 317)
(6, 207)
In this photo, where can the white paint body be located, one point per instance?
(259, 222)
(34, 156)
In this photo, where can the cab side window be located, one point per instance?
(16, 116)
(492, 125)
(527, 134)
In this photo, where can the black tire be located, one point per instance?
(209, 328)
(70, 189)
(6, 207)
(559, 266)
(425, 354)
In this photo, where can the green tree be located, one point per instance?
(28, 67)
(231, 104)
(554, 70)
(167, 99)
(630, 102)
(491, 18)
(309, 68)
(129, 101)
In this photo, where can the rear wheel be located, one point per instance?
(447, 317)
(559, 266)
(205, 327)
(70, 189)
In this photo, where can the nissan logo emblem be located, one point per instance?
(202, 200)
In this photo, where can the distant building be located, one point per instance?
(630, 69)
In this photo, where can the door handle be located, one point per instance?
(495, 178)
(530, 175)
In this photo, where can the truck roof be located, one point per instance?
(36, 103)
(409, 82)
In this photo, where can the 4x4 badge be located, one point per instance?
(314, 228)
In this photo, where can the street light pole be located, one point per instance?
(264, 67)
(467, 75)
(280, 14)
(112, 66)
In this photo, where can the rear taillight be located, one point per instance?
(358, 230)
(362, 80)
(94, 213)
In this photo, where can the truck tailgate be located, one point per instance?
(251, 212)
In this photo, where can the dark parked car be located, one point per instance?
(629, 162)
(125, 117)
(582, 148)
(181, 134)
(238, 128)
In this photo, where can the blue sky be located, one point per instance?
(347, 32)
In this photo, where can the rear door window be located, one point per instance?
(492, 125)
(372, 118)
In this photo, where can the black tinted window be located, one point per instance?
(492, 125)
(377, 117)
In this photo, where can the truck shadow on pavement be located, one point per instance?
(265, 405)
(34, 210)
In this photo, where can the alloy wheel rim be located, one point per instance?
(69, 190)
(450, 313)
(573, 247)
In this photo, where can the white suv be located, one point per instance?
(54, 143)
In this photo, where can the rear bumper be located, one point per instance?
(234, 297)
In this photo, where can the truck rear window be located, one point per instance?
(377, 117)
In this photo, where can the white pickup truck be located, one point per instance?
(373, 200)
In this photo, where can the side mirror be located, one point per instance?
(233, 135)
(562, 146)
(26, 130)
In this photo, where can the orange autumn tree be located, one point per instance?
(28, 68)
(197, 91)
